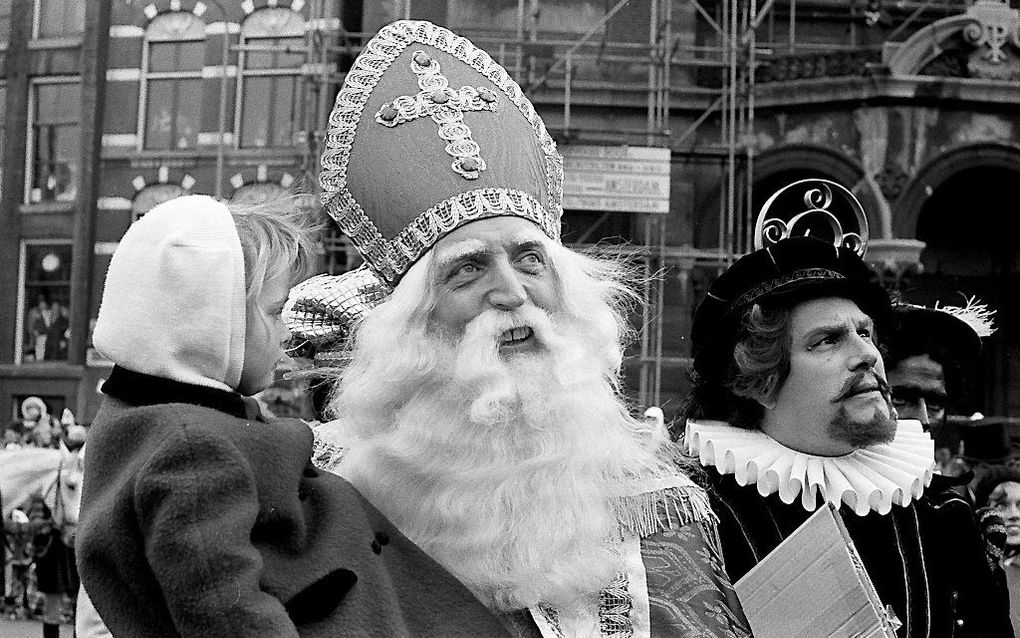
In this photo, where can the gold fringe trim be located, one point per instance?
(668, 508)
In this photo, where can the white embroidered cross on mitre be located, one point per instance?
(446, 107)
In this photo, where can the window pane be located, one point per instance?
(172, 115)
(61, 18)
(47, 277)
(58, 103)
(5, 20)
(277, 58)
(55, 143)
(3, 128)
(176, 56)
(269, 105)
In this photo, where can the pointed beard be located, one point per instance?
(508, 471)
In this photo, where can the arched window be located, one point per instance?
(154, 195)
(59, 18)
(269, 84)
(171, 100)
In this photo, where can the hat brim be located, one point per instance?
(918, 326)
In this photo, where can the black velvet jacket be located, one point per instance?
(926, 560)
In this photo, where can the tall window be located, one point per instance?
(59, 18)
(46, 294)
(5, 21)
(170, 117)
(270, 78)
(3, 128)
(53, 146)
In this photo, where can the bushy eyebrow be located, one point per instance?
(475, 248)
(838, 329)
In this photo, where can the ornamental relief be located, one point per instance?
(983, 42)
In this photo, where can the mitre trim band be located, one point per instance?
(392, 258)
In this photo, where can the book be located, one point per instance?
(814, 584)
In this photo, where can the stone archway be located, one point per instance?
(961, 205)
(782, 165)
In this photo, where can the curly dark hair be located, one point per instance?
(759, 364)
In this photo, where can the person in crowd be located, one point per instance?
(479, 406)
(56, 574)
(36, 422)
(198, 517)
(791, 410)
(999, 489)
(930, 352)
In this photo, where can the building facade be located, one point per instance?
(677, 119)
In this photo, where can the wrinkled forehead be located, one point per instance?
(919, 370)
(490, 236)
(827, 312)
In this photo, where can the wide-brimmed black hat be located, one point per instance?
(955, 331)
(787, 269)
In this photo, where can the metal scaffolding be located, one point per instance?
(696, 85)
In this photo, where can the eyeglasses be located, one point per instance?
(934, 402)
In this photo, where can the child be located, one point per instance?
(199, 518)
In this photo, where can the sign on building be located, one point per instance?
(627, 179)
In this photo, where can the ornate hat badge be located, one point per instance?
(816, 208)
(810, 238)
(429, 133)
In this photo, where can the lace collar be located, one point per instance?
(873, 478)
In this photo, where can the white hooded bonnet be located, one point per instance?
(174, 301)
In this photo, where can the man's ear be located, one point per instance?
(769, 403)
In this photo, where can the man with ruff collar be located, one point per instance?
(479, 404)
(791, 409)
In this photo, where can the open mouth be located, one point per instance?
(515, 336)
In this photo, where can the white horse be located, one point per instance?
(54, 475)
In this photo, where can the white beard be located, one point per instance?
(509, 473)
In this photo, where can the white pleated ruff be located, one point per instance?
(868, 479)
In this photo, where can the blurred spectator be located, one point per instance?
(46, 330)
(11, 440)
(999, 488)
(17, 549)
(56, 574)
(36, 423)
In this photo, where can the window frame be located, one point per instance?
(37, 21)
(30, 137)
(253, 29)
(19, 324)
(155, 32)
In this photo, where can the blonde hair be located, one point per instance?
(279, 235)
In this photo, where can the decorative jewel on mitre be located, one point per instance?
(323, 310)
(416, 97)
(816, 208)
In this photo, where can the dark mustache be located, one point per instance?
(857, 380)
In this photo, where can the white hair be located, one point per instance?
(507, 473)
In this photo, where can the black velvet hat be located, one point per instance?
(788, 268)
